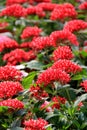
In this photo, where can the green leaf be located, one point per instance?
(27, 81)
(3, 108)
(80, 99)
(34, 64)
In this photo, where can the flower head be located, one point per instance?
(15, 10)
(62, 52)
(63, 11)
(65, 37)
(75, 25)
(67, 66)
(30, 31)
(17, 56)
(83, 6)
(38, 124)
(9, 72)
(6, 42)
(13, 103)
(50, 75)
(58, 101)
(9, 89)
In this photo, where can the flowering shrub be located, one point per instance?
(43, 65)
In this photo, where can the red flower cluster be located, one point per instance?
(75, 25)
(25, 45)
(40, 43)
(11, 2)
(83, 6)
(17, 56)
(38, 124)
(36, 11)
(63, 11)
(30, 32)
(10, 73)
(62, 52)
(65, 35)
(15, 10)
(9, 89)
(13, 103)
(50, 75)
(67, 66)
(6, 42)
(38, 92)
(47, 6)
(58, 101)
(84, 85)
(32, 1)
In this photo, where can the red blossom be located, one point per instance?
(9, 89)
(58, 101)
(75, 25)
(35, 10)
(6, 42)
(11, 2)
(13, 103)
(63, 36)
(38, 124)
(47, 6)
(10, 73)
(84, 85)
(62, 52)
(25, 45)
(50, 75)
(83, 6)
(63, 11)
(38, 92)
(15, 10)
(40, 43)
(30, 32)
(17, 56)
(67, 66)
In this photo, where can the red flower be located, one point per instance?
(38, 124)
(13, 103)
(6, 42)
(67, 66)
(35, 10)
(58, 101)
(40, 43)
(9, 89)
(51, 75)
(84, 85)
(15, 10)
(25, 45)
(75, 25)
(63, 11)
(11, 2)
(63, 36)
(17, 56)
(83, 6)
(10, 73)
(38, 92)
(30, 32)
(62, 52)
(47, 6)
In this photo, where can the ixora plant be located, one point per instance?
(43, 65)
